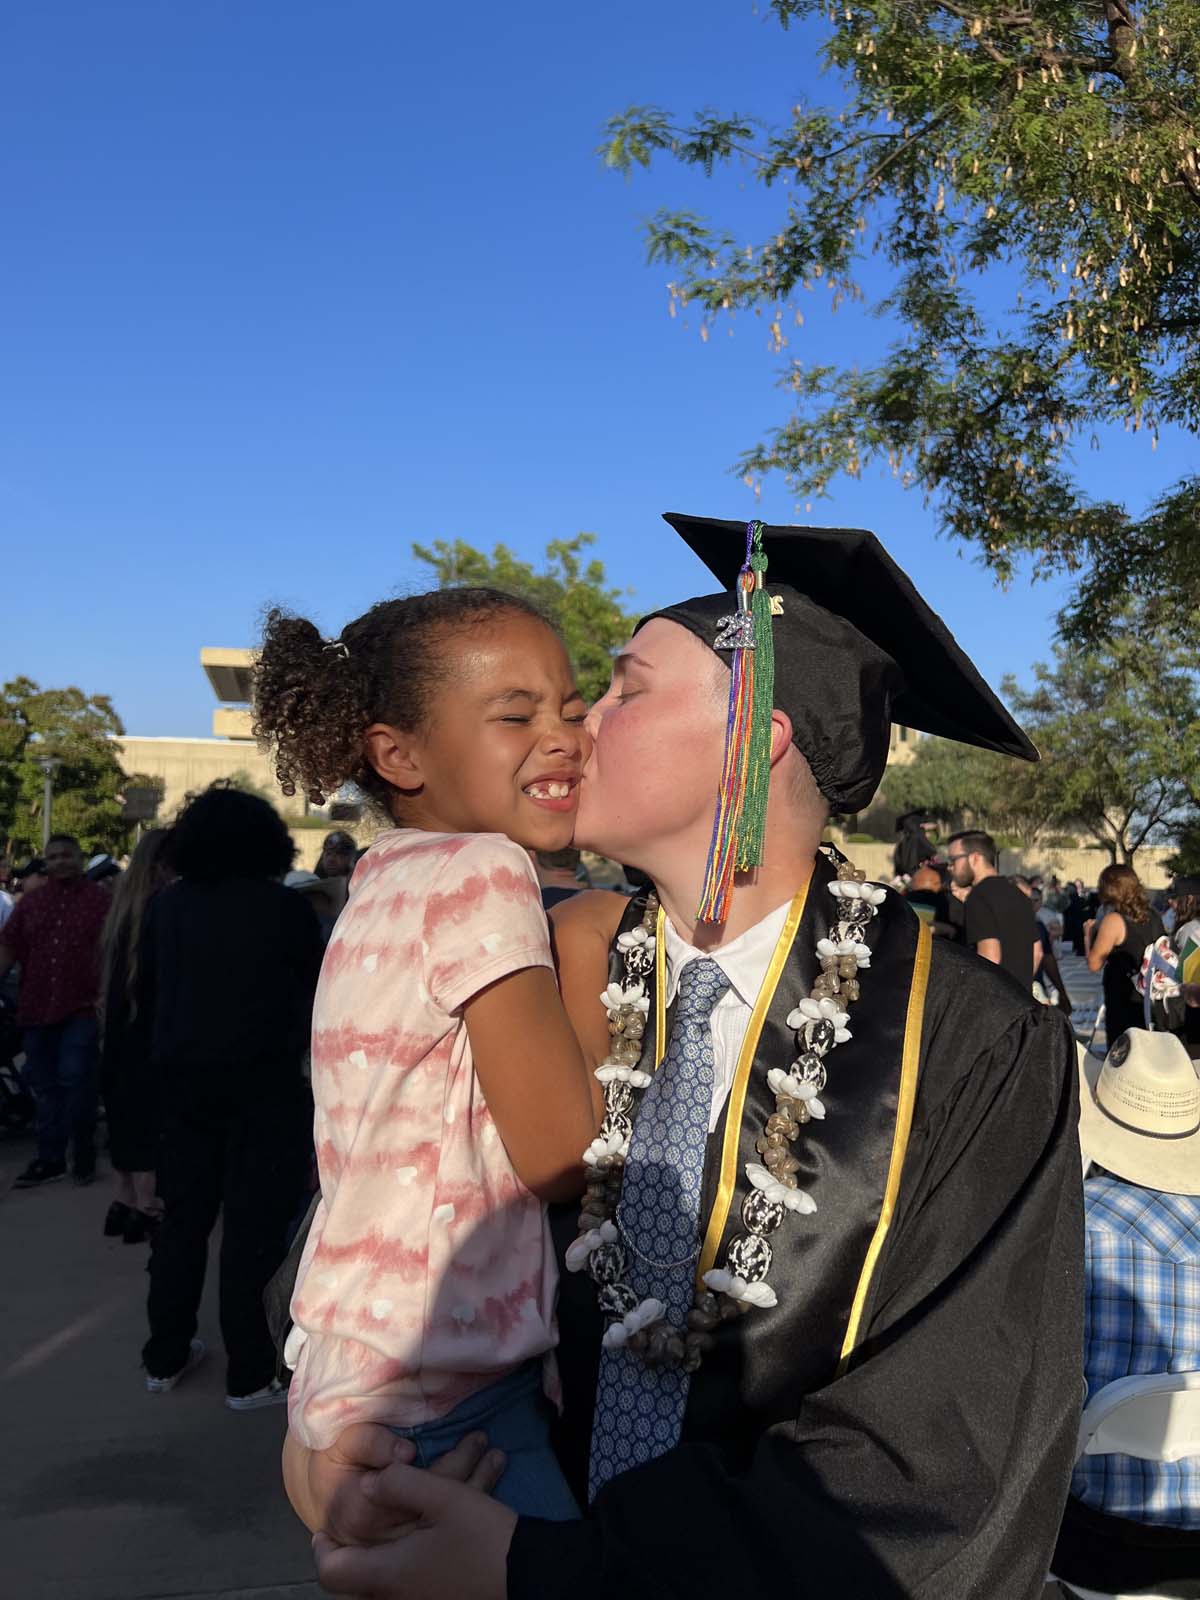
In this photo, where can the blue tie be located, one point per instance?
(639, 1409)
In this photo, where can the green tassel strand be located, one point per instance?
(752, 824)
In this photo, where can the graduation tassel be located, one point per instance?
(752, 821)
(740, 820)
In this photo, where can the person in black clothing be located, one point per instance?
(999, 923)
(131, 1101)
(229, 965)
(843, 1429)
(914, 847)
(1116, 946)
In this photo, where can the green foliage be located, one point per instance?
(1186, 860)
(82, 731)
(1118, 727)
(1118, 724)
(1047, 150)
(243, 780)
(967, 788)
(574, 596)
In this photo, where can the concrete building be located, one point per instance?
(190, 764)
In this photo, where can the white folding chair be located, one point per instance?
(1156, 1418)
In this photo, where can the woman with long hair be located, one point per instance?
(1118, 945)
(130, 1093)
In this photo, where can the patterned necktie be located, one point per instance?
(639, 1409)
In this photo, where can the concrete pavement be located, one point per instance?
(107, 1492)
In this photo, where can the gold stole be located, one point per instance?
(910, 1061)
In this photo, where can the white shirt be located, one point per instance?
(744, 961)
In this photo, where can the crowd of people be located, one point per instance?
(1023, 923)
(667, 1238)
(176, 996)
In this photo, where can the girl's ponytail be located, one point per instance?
(310, 706)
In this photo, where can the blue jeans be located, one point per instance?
(515, 1415)
(61, 1066)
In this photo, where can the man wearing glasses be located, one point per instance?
(999, 918)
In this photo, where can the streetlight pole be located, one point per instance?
(49, 766)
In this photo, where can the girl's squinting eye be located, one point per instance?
(523, 721)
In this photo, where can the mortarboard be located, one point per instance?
(841, 641)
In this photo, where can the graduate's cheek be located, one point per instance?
(648, 778)
(611, 800)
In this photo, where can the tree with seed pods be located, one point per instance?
(1118, 727)
(1046, 151)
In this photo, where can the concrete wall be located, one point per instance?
(186, 765)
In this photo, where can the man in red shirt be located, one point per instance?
(55, 935)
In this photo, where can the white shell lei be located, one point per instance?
(741, 1284)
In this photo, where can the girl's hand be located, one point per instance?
(583, 928)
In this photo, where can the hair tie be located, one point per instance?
(339, 646)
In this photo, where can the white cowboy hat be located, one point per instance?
(1139, 1112)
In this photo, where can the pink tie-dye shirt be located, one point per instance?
(428, 1272)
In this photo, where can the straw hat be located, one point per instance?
(1139, 1112)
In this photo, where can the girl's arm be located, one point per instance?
(535, 1078)
(1101, 945)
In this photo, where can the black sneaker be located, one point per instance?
(117, 1219)
(39, 1172)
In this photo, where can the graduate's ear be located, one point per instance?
(396, 755)
(781, 736)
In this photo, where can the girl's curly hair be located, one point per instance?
(222, 833)
(314, 698)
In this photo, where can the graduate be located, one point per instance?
(821, 1314)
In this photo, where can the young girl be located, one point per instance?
(452, 1098)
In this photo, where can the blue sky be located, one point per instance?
(288, 285)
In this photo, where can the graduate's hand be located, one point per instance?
(339, 1501)
(1191, 993)
(459, 1548)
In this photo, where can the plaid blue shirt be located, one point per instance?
(1142, 1316)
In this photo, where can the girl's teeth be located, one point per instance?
(549, 791)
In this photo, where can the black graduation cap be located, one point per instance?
(856, 649)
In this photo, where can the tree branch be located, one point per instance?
(906, 143)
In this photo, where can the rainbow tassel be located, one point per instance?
(739, 825)
(752, 817)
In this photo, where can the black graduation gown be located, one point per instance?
(932, 1459)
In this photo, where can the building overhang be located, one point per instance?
(230, 673)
